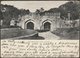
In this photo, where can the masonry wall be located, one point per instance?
(39, 21)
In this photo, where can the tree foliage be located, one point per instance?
(71, 8)
(11, 12)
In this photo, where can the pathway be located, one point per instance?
(49, 36)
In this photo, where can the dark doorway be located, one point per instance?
(47, 26)
(30, 25)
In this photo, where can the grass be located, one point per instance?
(67, 33)
(16, 32)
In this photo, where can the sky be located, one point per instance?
(33, 5)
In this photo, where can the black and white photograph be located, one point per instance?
(40, 20)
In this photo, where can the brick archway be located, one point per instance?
(47, 25)
(29, 24)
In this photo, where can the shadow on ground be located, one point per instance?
(33, 38)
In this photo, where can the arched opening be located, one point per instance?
(30, 25)
(47, 26)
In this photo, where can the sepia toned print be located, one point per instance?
(39, 29)
(43, 20)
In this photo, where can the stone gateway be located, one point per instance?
(48, 21)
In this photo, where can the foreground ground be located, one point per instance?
(42, 36)
(68, 33)
(58, 34)
(49, 36)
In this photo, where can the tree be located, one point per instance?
(28, 11)
(37, 11)
(11, 12)
(69, 7)
(24, 12)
